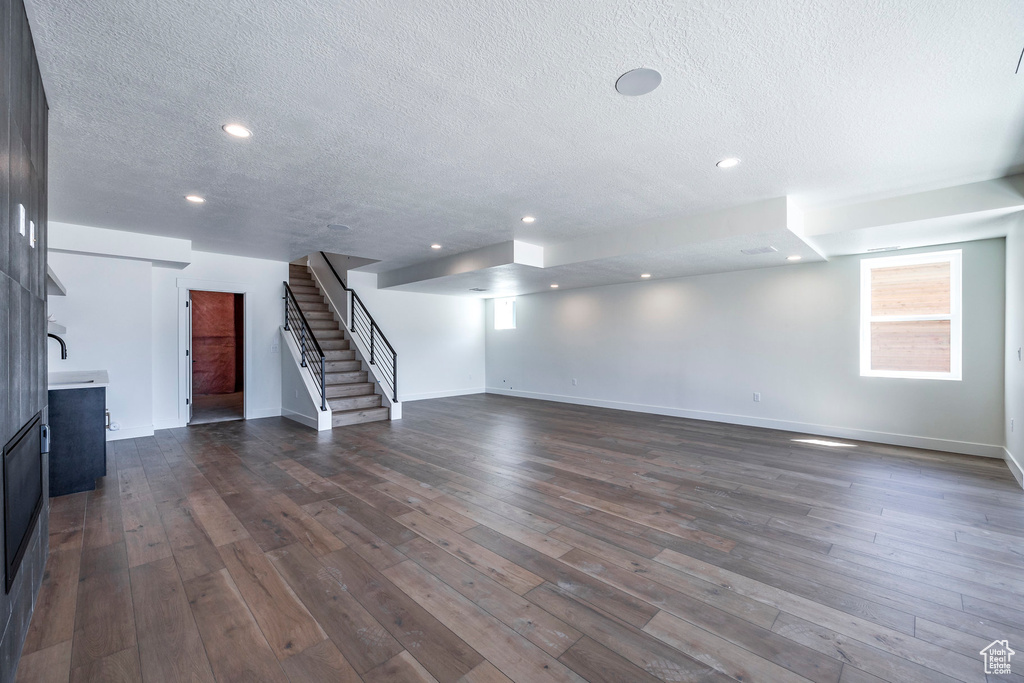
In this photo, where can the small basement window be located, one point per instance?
(505, 313)
(910, 323)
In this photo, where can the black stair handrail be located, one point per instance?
(362, 323)
(314, 362)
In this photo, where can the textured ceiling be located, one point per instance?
(447, 121)
(697, 259)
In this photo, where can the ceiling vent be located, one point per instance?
(758, 250)
(339, 228)
(478, 289)
(638, 82)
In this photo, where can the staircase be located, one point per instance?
(350, 395)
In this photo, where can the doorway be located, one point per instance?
(217, 352)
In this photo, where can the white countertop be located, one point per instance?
(81, 379)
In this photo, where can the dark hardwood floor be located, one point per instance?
(487, 538)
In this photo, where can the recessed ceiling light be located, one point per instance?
(194, 198)
(435, 246)
(554, 286)
(638, 82)
(237, 130)
(645, 275)
(794, 257)
(728, 162)
(528, 219)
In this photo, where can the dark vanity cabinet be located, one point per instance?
(78, 439)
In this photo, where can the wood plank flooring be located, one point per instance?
(487, 538)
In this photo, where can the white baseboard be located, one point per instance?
(1015, 466)
(950, 446)
(443, 394)
(131, 433)
(300, 418)
(167, 424)
(256, 414)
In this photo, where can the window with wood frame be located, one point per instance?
(910, 322)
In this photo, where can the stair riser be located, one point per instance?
(345, 377)
(355, 402)
(343, 366)
(343, 390)
(334, 345)
(368, 415)
(335, 356)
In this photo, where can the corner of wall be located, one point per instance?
(1016, 469)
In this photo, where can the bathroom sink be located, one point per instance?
(78, 379)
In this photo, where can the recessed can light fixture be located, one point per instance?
(528, 219)
(728, 162)
(554, 286)
(236, 130)
(195, 199)
(638, 82)
(795, 257)
(435, 246)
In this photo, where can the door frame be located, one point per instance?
(185, 285)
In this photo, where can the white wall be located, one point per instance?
(260, 280)
(701, 346)
(439, 339)
(107, 312)
(1014, 342)
(300, 398)
(123, 316)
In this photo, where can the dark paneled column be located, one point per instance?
(23, 173)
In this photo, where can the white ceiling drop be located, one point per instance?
(446, 122)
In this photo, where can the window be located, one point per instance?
(505, 314)
(910, 316)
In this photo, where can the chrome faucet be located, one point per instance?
(63, 346)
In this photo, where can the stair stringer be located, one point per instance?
(335, 295)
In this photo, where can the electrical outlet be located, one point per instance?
(574, 381)
(757, 397)
(274, 348)
(296, 393)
